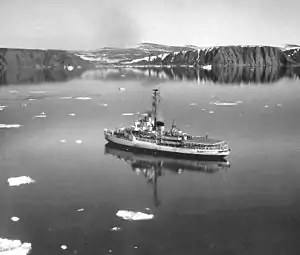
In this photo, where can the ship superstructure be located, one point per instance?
(148, 132)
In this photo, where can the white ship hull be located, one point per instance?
(153, 146)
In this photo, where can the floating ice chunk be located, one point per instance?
(130, 215)
(15, 219)
(24, 105)
(203, 109)
(103, 105)
(266, 106)
(42, 115)
(193, 104)
(65, 98)
(80, 210)
(122, 89)
(16, 181)
(279, 105)
(135, 247)
(127, 114)
(10, 126)
(110, 251)
(78, 141)
(31, 99)
(83, 98)
(122, 75)
(63, 141)
(14, 247)
(206, 67)
(70, 68)
(13, 91)
(71, 114)
(116, 229)
(211, 111)
(2, 107)
(38, 92)
(64, 247)
(226, 103)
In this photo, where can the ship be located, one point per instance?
(148, 132)
(152, 167)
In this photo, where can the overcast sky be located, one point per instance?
(90, 24)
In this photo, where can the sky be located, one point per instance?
(92, 24)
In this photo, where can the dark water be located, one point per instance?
(250, 206)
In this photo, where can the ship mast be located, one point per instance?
(155, 103)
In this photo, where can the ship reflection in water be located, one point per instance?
(153, 165)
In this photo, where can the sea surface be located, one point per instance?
(249, 204)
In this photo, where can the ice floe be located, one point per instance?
(62, 141)
(122, 89)
(14, 247)
(71, 114)
(17, 181)
(13, 91)
(127, 114)
(226, 103)
(10, 125)
(211, 111)
(41, 115)
(193, 104)
(266, 106)
(130, 215)
(70, 68)
(103, 105)
(116, 229)
(31, 99)
(63, 247)
(80, 210)
(65, 98)
(78, 141)
(279, 105)
(38, 92)
(83, 98)
(15, 219)
(2, 107)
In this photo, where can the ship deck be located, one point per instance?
(204, 140)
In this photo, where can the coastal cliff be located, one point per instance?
(31, 66)
(27, 58)
(223, 55)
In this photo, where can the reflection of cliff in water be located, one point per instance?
(153, 166)
(218, 74)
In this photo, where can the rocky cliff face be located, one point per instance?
(55, 59)
(223, 55)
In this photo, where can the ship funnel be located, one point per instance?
(156, 113)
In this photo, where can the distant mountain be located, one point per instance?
(110, 55)
(150, 54)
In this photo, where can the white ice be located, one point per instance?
(10, 126)
(71, 114)
(17, 181)
(78, 141)
(130, 215)
(83, 98)
(15, 219)
(13, 247)
(127, 114)
(207, 67)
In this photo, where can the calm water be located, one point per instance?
(251, 206)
